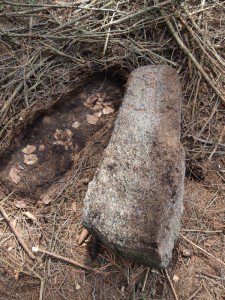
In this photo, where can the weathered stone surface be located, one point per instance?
(134, 203)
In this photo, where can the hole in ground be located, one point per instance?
(49, 146)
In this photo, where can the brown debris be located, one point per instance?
(66, 260)
(29, 149)
(30, 159)
(14, 174)
(16, 233)
(83, 236)
(92, 119)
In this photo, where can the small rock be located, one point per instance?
(135, 201)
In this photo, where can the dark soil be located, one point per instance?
(57, 140)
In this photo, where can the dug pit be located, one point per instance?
(49, 146)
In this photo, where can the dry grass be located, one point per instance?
(47, 51)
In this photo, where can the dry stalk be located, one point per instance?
(203, 250)
(171, 285)
(16, 233)
(83, 236)
(195, 62)
(66, 260)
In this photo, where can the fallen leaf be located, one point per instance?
(69, 133)
(76, 125)
(92, 119)
(63, 138)
(175, 278)
(29, 215)
(77, 286)
(30, 159)
(97, 106)
(14, 174)
(98, 113)
(57, 134)
(29, 149)
(91, 100)
(107, 110)
(20, 204)
(67, 144)
(41, 147)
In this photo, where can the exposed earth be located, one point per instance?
(47, 205)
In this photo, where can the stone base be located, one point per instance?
(135, 201)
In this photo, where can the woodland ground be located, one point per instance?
(49, 53)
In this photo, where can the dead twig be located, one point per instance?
(206, 142)
(24, 12)
(66, 260)
(145, 280)
(202, 231)
(171, 285)
(203, 250)
(194, 61)
(63, 5)
(16, 233)
(7, 104)
(218, 143)
(133, 15)
(83, 236)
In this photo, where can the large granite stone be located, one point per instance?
(134, 203)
